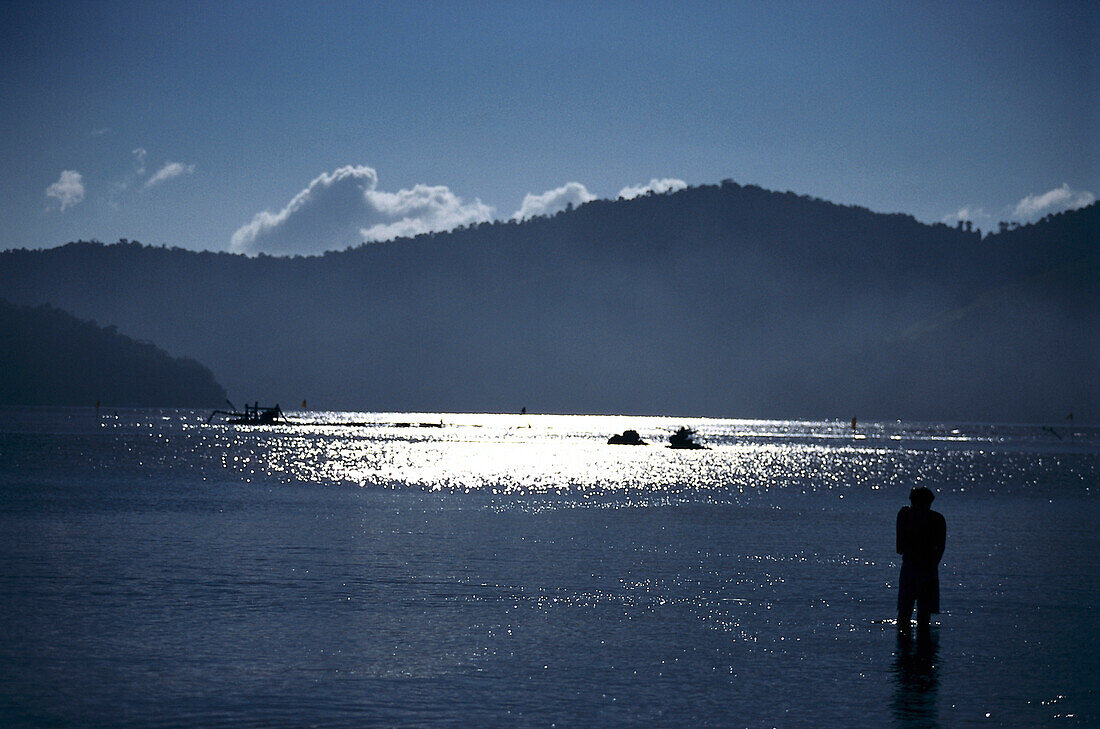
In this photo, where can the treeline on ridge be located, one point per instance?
(723, 300)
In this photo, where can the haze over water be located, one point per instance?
(517, 571)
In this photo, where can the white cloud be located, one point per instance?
(1057, 200)
(975, 215)
(420, 210)
(657, 187)
(343, 209)
(553, 201)
(69, 189)
(167, 172)
(139, 160)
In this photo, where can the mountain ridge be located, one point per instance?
(715, 300)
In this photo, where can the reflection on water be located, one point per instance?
(362, 569)
(512, 455)
(915, 680)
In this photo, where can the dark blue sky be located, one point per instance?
(197, 124)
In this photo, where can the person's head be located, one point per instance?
(921, 497)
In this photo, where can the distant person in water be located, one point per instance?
(921, 537)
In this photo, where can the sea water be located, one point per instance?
(426, 570)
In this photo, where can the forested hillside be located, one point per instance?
(717, 300)
(48, 357)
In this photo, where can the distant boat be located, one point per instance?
(627, 437)
(684, 439)
(251, 415)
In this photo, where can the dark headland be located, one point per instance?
(50, 357)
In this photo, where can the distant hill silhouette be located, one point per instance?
(722, 300)
(50, 357)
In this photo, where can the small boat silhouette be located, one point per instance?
(684, 439)
(627, 437)
(251, 415)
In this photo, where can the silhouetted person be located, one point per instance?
(921, 536)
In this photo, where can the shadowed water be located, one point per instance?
(518, 571)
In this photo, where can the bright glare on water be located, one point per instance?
(425, 569)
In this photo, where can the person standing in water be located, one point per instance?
(922, 534)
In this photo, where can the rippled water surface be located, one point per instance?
(365, 569)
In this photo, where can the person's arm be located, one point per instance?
(900, 532)
(941, 536)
